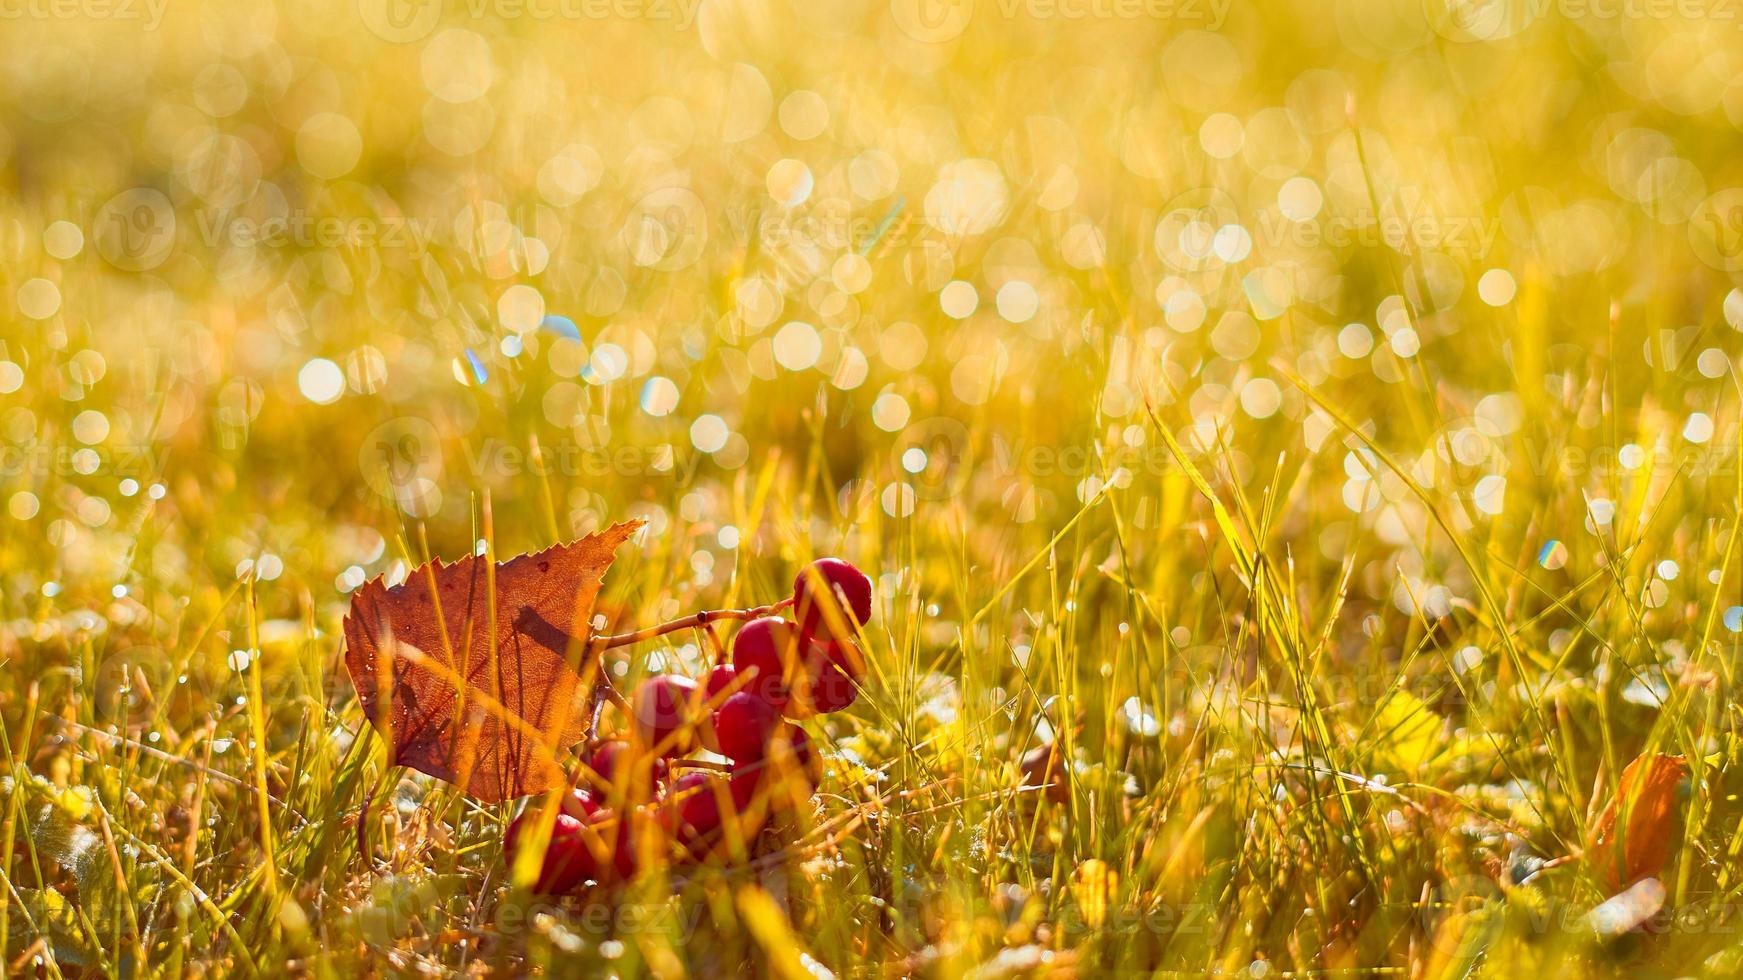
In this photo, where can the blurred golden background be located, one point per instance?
(1440, 298)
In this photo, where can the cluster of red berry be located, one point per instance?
(633, 808)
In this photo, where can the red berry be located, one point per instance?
(624, 772)
(831, 584)
(568, 860)
(581, 804)
(745, 778)
(824, 685)
(665, 709)
(706, 812)
(721, 684)
(743, 725)
(693, 807)
(798, 743)
(770, 647)
(720, 679)
(790, 755)
(833, 689)
(848, 656)
(786, 776)
(605, 757)
(624, 836)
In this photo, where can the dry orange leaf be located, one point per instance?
(491, 718)
(1647, 806)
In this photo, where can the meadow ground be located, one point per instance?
(1317, 419)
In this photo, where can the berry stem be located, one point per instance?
(692, 621)
(609, 692)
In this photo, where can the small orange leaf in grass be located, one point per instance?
(490, 718)
(1646, 809)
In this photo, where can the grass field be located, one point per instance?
(1319, 420)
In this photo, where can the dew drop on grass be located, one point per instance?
(958, 299)
(898, 500)
(321, 381)
(1490, 494)
(1699, 428)
(1355, 341)
(23, 506)
(1552, 555)
(1655, 595)
(480, 373)
(890, 412)
(1139, 719)
(1734, 619)
(1496, 287)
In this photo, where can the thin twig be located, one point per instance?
(690, 622)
